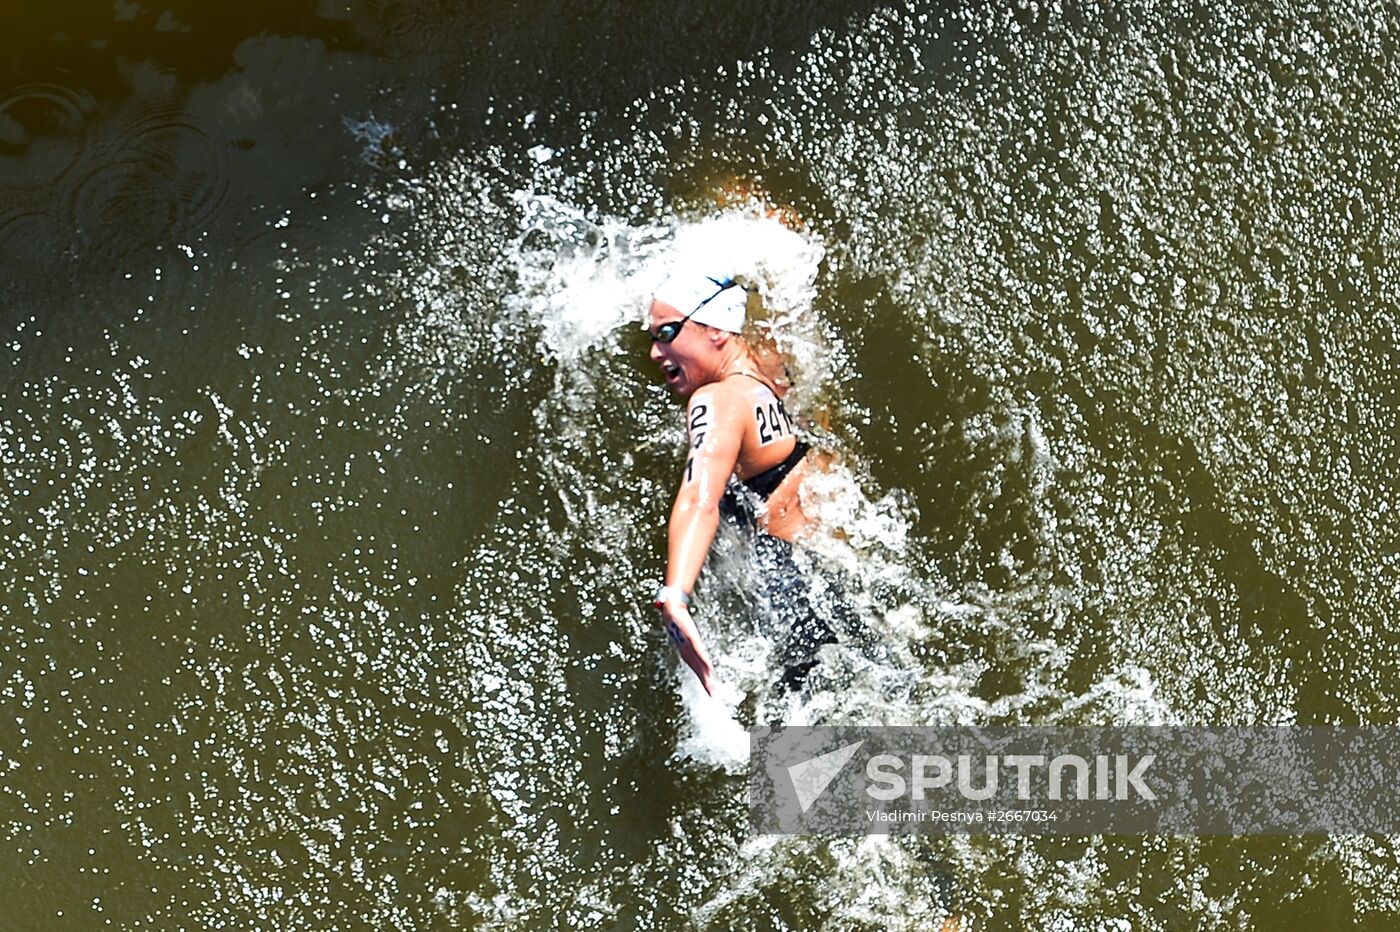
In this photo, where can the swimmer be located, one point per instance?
(737, 427)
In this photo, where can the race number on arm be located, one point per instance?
(715, 429)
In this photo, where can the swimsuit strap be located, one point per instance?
(764, 382)
(766, 483)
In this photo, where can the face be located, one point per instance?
(688, 361)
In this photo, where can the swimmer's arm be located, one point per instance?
(714, 438)
(715, 432)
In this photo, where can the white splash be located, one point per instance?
(758, 249)
(581, 278)
(713, 736)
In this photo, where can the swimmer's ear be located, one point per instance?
(719, 337)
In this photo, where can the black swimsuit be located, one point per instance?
(786, 596)
(766, 483)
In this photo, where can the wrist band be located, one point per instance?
(672, 594)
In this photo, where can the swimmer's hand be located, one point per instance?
(680, 628)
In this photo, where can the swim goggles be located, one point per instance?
(672, 328)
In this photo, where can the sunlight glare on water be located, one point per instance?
(333, 508)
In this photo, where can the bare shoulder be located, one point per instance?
(717, 400)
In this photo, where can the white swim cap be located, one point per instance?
(714, 300)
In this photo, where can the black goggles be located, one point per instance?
(672, 328)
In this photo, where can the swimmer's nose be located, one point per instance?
(655, 352)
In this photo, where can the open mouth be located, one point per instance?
(672, 372)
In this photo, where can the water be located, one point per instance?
(335, 477)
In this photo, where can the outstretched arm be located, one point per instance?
(715, 433)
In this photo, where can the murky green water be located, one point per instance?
(331, 494)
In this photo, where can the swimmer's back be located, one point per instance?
(770, 433)
(770, 437)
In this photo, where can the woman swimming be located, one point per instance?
(737, 427)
